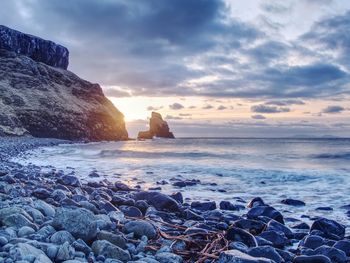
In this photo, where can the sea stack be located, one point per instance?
(40, 97)
(157, 128)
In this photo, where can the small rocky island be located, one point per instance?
(40, 97)
(157, 128)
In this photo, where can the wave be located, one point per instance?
(145, 154)
(344, 156)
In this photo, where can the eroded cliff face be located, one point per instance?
(46, 101)
(36, 48)
(157, 128)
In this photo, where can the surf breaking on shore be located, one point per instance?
(54, 216)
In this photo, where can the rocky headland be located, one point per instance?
(40, 97)
(157, 128)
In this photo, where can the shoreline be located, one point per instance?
(55, 217)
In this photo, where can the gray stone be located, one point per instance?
(141, 228)
(65, 252)
(23, 250)
(236, 256)
(266, 252)
(81, 223)
(44, 208)
(61, 237)
(312, 259)
(167, 257)
(25, 231)
(117, 240)
(108, 250)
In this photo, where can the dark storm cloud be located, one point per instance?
(333, 109)
(268, 109)
(146, 48)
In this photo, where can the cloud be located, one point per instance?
(151, 108)
(258, 117)
(116, 93)
(285, 102)
(221, 107)
(176, 106)
(171, 117)
(268, 109)
(333, 109)
(207, 107)
(185, 114)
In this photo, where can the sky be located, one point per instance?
(253, 68)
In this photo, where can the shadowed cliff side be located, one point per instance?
(46, 101)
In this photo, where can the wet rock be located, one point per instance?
(160, 201)
(256, 201)
(61, 237)
(41, 193)
(330, 228)
(312, 259)
(141, 228)
(80, 245)
(312, 241)
(203, 206)
(335, 255)
(343, 245)
(300, 225)
(266, 252)
(253, 226)
(267, 211)
(17, 220)
(44, 208)
(278, 239)
(292, 202)
(240, 235)
(273, 225)
(177, 197)
(81, 223)
(119, 186)
(108, 250)
(324, 208)
(69, 180)
(226, 205)
(236, 256)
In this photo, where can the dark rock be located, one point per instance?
(240, 235)
(117, 240)
(267, 211)
(158, 128)
(324, 208)
(36, 48)
(312, 242)
(330, 228)
(253, 226)
(69, 180)
(276, 226)
(177, 197)
(142, 205)
(266, 252)
(119, 186)
(130, 211)
(61, 237)
(300, 225)
(335, 255)
(158, 200)
(278, 239)
(292, 202)
(203, 206)
(80, 245)
(226, 205)
(140, 228)
(343, 245)
(256, 201)
(190, 215)
(312, 259)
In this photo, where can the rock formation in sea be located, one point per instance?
(39, 97)
(157, 128)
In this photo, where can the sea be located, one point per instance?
(316, 171)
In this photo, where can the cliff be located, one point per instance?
(157, 128)
(39, 97)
